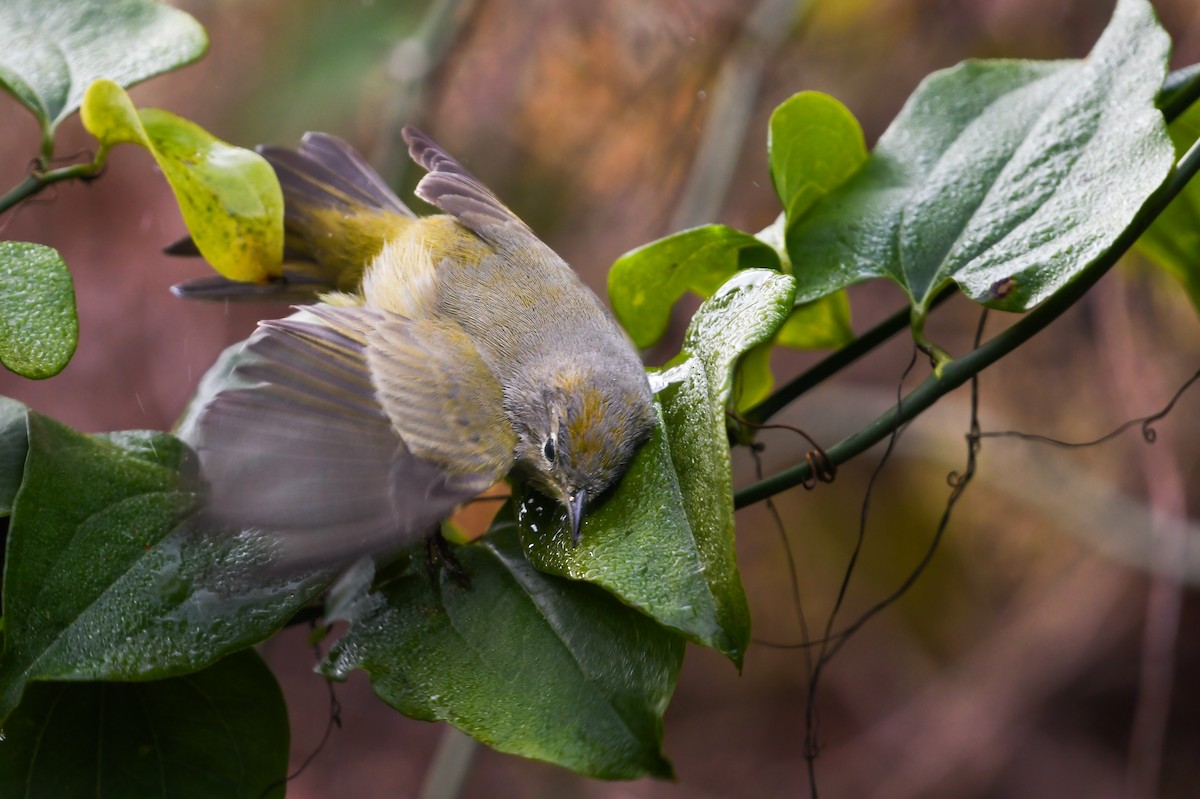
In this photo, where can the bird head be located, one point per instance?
(578, 435)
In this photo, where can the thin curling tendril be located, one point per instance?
(1149, 434)
(820, 465)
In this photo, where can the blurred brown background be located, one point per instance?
(1038, 656)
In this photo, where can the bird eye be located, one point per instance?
(548, 450)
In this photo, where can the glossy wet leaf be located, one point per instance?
(525, 662)
(639, 544)
(1005, 177)
(14, 444)
(663, 541)
(38, 325)
(1173, 240)
(50, 50)
(229, 197)
(814, 325)
(814, 145)
(643, 285)
(221, 732)
(109, 573)
(156, 447)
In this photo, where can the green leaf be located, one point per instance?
(817, 324)
(1173, 240)
(643, 285)
(754, 379)
(154, 446)
(220, 732)
(527, 663)
(109, 575)
(230, 198)
(1005, 177)
(663, 540)
(814, 145)
(51, 51)
(38, 325)
(14, 444)
(639, 544)
(747, 311)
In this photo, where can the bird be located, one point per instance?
(449, 352)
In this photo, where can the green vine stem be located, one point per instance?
(28, 187)
(837, 361)
(960, 370)
(1179, 91)
(38, 180)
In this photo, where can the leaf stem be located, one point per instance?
(40, 179)
(47, 147)
(960, 370)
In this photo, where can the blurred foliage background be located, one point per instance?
(1047, 651)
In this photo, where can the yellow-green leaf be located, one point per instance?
(229, 197)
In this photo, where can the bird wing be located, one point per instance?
(325, 171)
(441, 396)
(301, 448)
(450, 187)
(337, 215)
(337, 211)
(351, 170)
(301, 281)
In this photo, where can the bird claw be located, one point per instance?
(439, 556)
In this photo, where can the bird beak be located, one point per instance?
(575, 504)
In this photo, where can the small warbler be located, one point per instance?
(456, 350)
